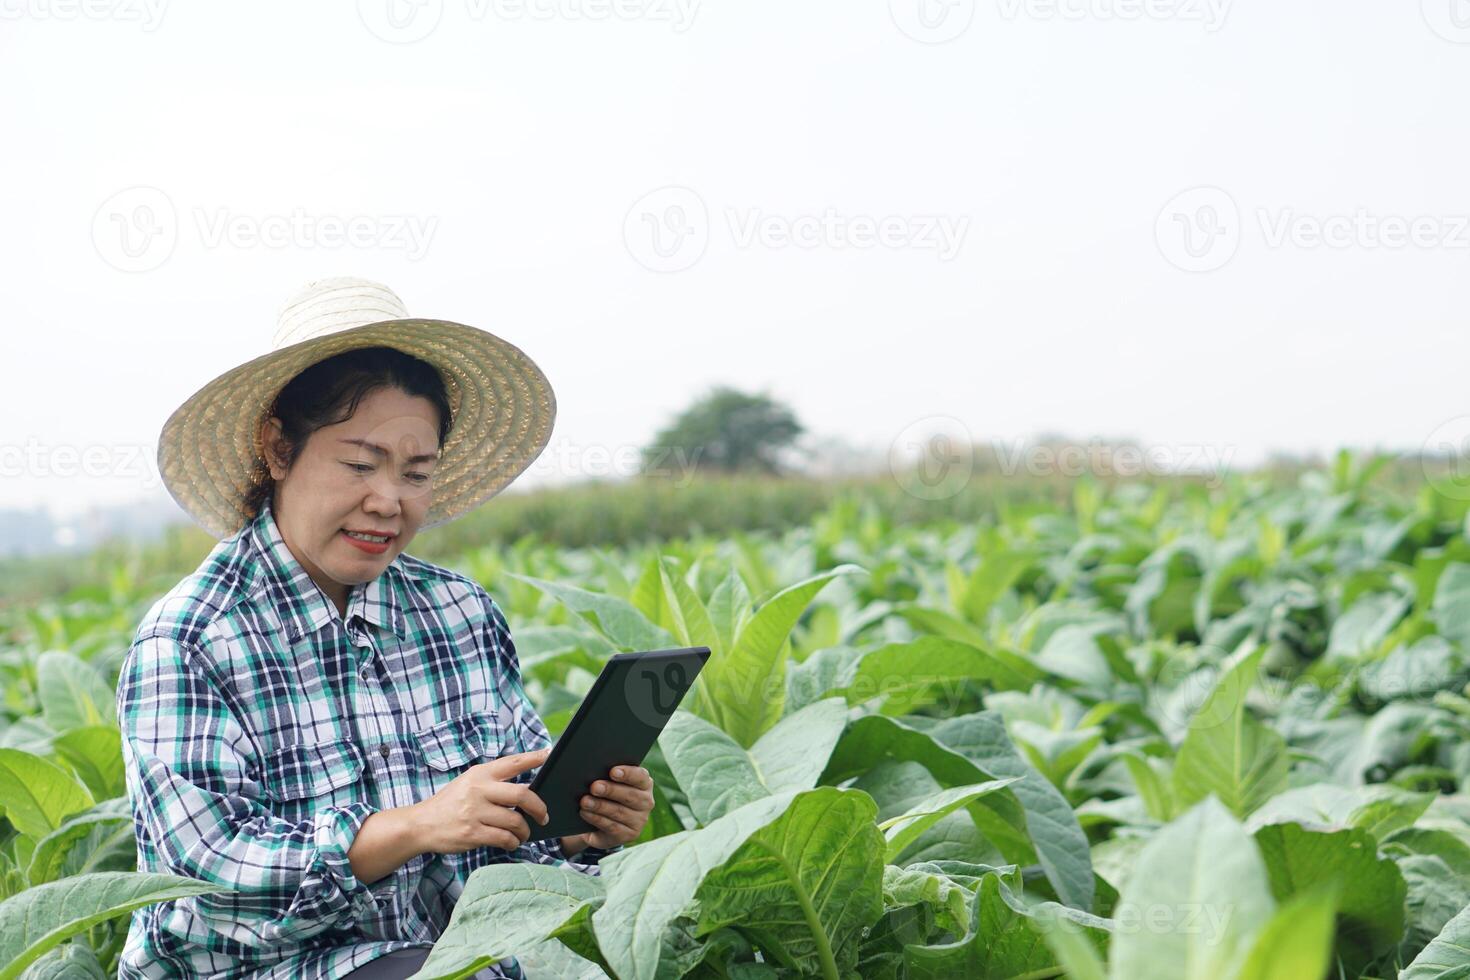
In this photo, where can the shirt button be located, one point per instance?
(383, 750)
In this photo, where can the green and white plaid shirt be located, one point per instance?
(260, 730)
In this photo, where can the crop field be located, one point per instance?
(1138, 731)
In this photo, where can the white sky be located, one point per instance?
(521, 137)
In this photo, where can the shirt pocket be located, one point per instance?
(301, 779)
(449, 747)
(456, 743)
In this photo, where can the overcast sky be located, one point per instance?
(1217, 228)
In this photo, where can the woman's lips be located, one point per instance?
(371, 547)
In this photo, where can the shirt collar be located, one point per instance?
(305, 606)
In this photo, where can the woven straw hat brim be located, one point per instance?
(502, 404)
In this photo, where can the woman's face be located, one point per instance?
(366, 474)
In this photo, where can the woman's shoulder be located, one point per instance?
(455, 588)
(186, 611)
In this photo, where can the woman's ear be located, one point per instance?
(273, 438)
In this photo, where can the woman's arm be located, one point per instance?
(385, 843)
(187, 775)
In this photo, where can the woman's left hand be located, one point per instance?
(618, 806)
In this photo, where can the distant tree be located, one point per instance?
(724, 431)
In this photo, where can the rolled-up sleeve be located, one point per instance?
(531, 732)
(190, 780)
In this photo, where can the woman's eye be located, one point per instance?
(419, 478)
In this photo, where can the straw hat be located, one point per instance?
(502, 405)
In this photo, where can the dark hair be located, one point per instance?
(328, 392)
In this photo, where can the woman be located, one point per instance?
(332, 729)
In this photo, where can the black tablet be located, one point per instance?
(616, 724)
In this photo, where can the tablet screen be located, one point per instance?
(616, 724)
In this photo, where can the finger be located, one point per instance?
(519, 762)
(622, 794)
(606, 823)
(508, 819)
(608, 809)
(633, 776)
(533, 804)
(518, 795)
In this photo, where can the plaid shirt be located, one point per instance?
(260, 730)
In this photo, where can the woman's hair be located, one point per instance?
(327, 393)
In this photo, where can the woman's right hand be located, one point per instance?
(476, 809)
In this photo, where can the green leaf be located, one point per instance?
(619, 621)
(744, 691)
(1370, 907)
(729, 609)
(1228, 752)
(1197, 895)
(43, 917)
(651, 885)
(36, 794)
(940, 623)
(807, 883)
(1451, 609)
(95, 753)
(1074, 951)
(1297, 943)
(933, 670)
(1153, 788)
(88, 841)
(506, 908)
(1006, 938)
(72, 693)
(904, 829)
(1380, 809)
(69, 961)
(923, 884)
(691, 618)
(1447, 957)
(1359, 630)
(1033, 821)
(996, 573)
(718, 775)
